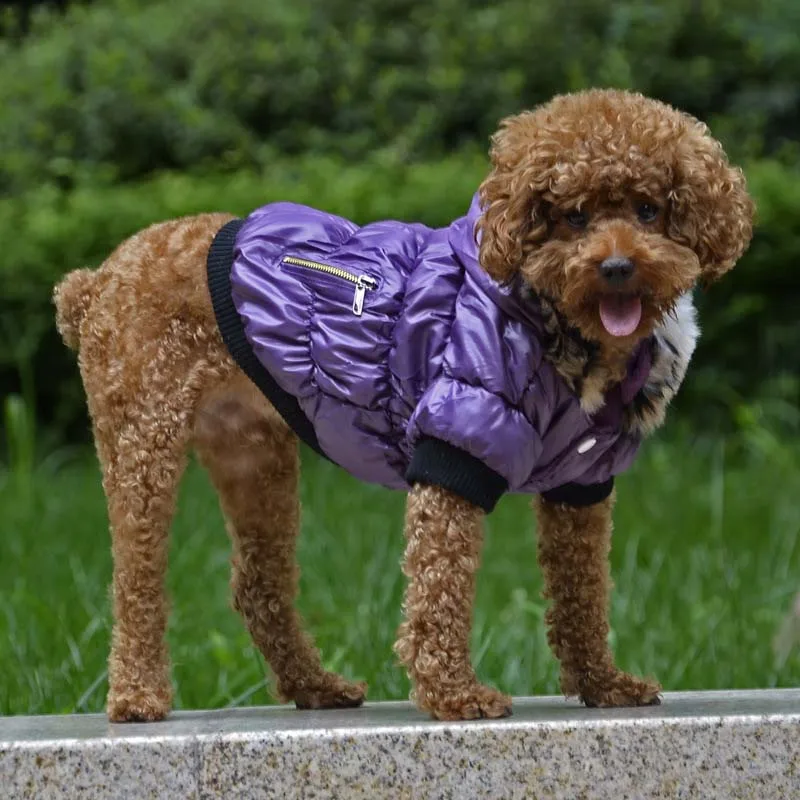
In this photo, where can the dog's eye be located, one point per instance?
(577, 219)
(647, 212)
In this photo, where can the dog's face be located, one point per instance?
(612, 206)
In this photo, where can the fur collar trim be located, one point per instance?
(577, 361)
(674, 341)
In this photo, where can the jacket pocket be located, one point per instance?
(361, 283)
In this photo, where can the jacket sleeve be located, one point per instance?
(438, 463)
(470, 441)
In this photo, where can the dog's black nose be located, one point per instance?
(616, 270)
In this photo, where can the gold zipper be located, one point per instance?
(363, 283)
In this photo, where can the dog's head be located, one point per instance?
(612, 205)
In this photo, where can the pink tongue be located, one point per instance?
(620, 315)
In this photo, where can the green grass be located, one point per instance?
(706, 561)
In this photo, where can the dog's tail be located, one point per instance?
(72, 298)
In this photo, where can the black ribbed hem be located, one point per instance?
(440, 464)
(219, 262)
(578, 494)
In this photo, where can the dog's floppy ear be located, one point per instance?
(513, 219)
(711, 211)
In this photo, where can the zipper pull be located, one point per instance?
(364, 283)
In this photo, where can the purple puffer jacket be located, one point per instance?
(391, 351)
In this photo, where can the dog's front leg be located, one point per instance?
(574, 545)
(443, 541)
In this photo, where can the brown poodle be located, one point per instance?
(602, 210)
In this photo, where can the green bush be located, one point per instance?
(124, 88)
(125, 112)
(750, 344)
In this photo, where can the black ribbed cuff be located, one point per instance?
(218, 262)
(440, 464)
(578, 494)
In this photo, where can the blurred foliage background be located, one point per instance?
(116, 114)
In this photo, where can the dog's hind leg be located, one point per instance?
(252, 458)
(142, 429)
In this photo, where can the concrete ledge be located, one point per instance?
(696, 745)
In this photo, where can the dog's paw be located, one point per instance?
(328, 691)
(619, 689)
(138, 705)
(474, 702)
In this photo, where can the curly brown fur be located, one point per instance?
(444, 535)
(146, 357)
(159, 380)
(72, 297)
(574, 544)
(606, 153)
